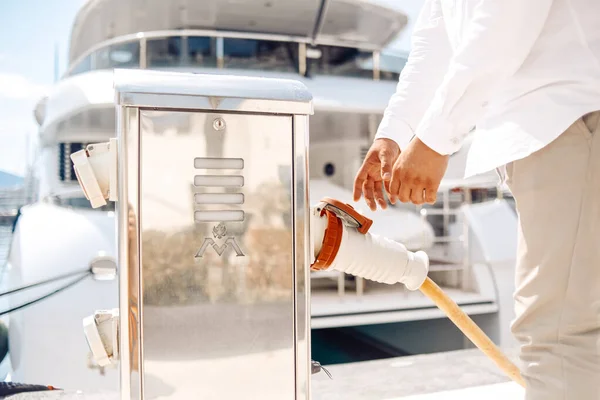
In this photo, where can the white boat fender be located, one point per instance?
(341, 242)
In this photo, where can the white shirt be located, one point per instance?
(520, 71)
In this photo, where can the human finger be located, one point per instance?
(385, 158)
(404, 192)
(359, 181)
(431, 193)
(417, 195)
(386, 187)
(368, 194)
(394, 184)
(378, 193)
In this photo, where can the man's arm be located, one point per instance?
(495, 42)
(421, 76)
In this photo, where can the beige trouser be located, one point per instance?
(557, 297)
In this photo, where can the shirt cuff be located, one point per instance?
(396, 130)
(440, 136)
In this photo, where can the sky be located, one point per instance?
(31, 33)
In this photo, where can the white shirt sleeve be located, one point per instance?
(421, 76)
(495, 41)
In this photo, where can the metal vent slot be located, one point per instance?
(219, 180)
(219, 216)
(227, 182)
(219, 163)
(219, 198)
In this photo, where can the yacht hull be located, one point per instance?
(46, 343)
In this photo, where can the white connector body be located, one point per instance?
(96, 171)
(102, 334)
(372, 257)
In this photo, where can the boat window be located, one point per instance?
(389, 75)
(181, 51)
(244, 54)
(163, 52)
(390, 66)
(264, 55)
(201, 51)
(337, 60)
(120, 55)
(351, 62)
(82, 66)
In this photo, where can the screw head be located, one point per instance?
(219, 124)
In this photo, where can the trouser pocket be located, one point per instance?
(589, 123)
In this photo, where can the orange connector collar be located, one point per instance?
(337, 213)
(348, 214)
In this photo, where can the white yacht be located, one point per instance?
(339, 50)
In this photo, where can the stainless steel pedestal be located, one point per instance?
(213, 236)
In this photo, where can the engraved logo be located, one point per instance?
(219, 232)
(223, 213)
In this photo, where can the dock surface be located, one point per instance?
(463, 374)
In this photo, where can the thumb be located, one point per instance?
(386, 165)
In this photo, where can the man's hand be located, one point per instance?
(417, 174)
(375, 170)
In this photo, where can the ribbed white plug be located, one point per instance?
(373, 257)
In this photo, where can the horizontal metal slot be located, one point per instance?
(219, 198)
(219, 216)
(219, 180)
(219, 163)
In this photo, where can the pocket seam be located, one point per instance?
(583, 128)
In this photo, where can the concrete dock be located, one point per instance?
(464, 375)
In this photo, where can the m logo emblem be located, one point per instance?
(219, 232)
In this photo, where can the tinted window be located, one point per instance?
(181, 51)
(122, 55)
(341, 61)
(263, 55)
(389, 76)
(82, 66)
(346, 61)
(201, 51)
(390, 66)
(163, 52)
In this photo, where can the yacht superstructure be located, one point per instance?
(337, 49)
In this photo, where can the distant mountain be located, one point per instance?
(8, 180)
